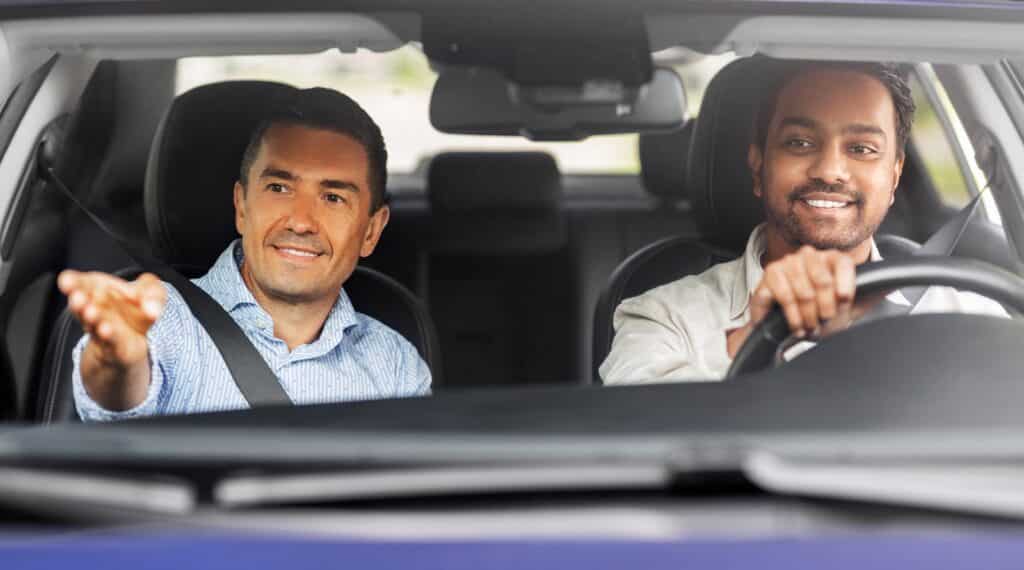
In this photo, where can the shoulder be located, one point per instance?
(693, 292)
(372, 334)
(376, 341)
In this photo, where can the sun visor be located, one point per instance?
(481, 101)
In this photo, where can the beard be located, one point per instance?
(824, 232)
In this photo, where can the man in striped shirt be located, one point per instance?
(310, 201)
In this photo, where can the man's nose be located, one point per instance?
(830, 166)
(302, 217)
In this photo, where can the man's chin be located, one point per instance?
(294, 296)
(823, 242)
(842, 239)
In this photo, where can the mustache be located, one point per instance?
(801, 192)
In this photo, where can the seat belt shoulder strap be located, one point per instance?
(250, 372)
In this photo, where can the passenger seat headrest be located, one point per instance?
(663, 160)
(492, 180)
(484, 202)
(720, 181)
(194, 163)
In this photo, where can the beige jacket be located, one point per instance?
(676, 332)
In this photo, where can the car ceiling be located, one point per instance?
(936, 32)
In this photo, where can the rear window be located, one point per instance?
(395, 87)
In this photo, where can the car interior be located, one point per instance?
(501, 269)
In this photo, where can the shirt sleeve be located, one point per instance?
(161, 337)
(946, 299)
(90, 411)
(663, 336)
(413, 372)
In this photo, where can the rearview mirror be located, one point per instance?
(480, 101)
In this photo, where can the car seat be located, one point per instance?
(193, 165)
(719, 185)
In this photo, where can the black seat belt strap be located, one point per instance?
(942, 242)
(254, 378)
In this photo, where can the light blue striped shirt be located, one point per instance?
(355, 357)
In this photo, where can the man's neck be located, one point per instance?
(777, 247)
(294, 323)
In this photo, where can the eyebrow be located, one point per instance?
(333, 184)
(854, 129)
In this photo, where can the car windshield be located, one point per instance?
(614, 250)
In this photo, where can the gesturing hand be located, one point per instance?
(116, 314)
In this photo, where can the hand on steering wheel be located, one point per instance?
(760, 346)
(812, 287)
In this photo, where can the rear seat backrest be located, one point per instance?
(500, 285)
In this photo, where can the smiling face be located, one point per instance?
(831, 161)
(304, 215)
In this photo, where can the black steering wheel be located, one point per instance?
(760, 348)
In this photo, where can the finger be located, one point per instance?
(819, 270)
(91, 314)
(761, 301)
(77, 301)
(152, 295)
(102, 285)
(105, 331)
(67, 281)
(844, 270)
(803, 290)
(775, 278)
(115, 333)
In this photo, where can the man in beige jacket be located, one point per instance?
(826, 160)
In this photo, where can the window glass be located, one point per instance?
(936, 150)
(696, 70)
(394, 88)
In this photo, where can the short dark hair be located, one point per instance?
(888, 74)
(329, 110)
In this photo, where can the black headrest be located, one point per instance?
(485, 202)
(193, 166)
(663, 158)
(493, 180)
(720, 182)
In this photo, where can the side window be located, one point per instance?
(929, 138)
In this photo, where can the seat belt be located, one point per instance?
(942, 242)
(254, 378)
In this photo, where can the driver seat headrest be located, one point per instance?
(720, 180)
(194, 163)
(663, 158)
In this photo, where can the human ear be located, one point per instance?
(755, 159)
(896, 174)
(239, 200)
(378, 221)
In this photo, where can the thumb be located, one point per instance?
(759, 307)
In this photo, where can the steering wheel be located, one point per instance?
(759, 350)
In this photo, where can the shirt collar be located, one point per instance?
(224, 280)
(750, 273)
(225, 284)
